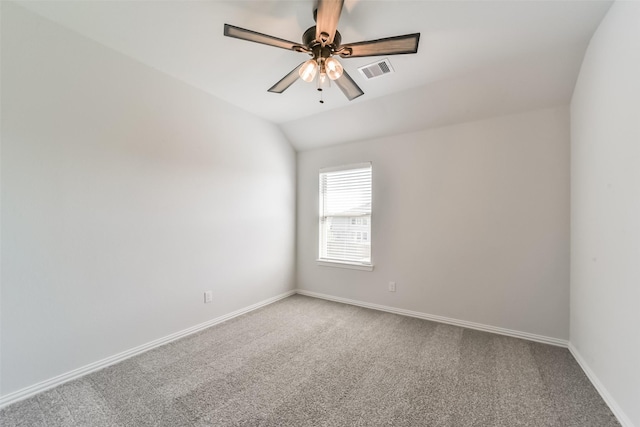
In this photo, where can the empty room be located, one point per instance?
(320, 213)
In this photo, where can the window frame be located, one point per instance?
(349, 264)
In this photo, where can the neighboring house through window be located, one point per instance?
(345, 216)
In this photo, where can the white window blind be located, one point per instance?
(345, 214)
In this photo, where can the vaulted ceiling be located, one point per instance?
(476, 58)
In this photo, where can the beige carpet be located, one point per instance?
(308, 362)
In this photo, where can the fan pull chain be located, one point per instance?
(319, 87)
(322, 82)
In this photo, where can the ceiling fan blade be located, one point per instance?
(350, 89)
(253, 36)
(388, 46)
(327, 18)
(286, 81)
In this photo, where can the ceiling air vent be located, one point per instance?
(376, 69)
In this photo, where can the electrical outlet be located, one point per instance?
(392, 286)
(208, 297)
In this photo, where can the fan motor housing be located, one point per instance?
(309, 38)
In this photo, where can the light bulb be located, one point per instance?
(308, 70)
(333, 67)
(323, 82)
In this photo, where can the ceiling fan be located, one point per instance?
(322, 42)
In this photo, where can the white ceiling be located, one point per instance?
(476, 58)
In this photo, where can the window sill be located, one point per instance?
(348, 265)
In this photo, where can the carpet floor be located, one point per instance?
(308, 362)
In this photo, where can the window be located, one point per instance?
(345, 212)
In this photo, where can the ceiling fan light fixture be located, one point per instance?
(308, 70)
(323, 41)
(334, 68)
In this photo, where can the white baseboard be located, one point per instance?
(440, 319)
(92, 367)
(604, 393)
(100, 364)
(606, 396)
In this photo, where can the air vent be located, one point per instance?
(376, 69)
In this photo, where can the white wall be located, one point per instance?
(605, 209)
(125, 195)
(471, 221)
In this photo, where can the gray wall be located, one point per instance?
(605, 210)
(471, 221)
(125, 195)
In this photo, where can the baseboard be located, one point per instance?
(92, 367)
(441, 319)
(604, 393)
